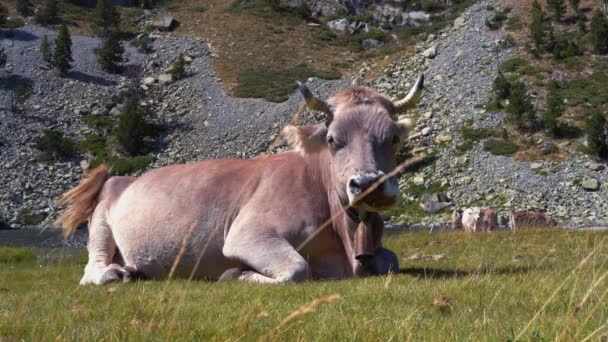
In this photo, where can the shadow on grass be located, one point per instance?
(439, 273)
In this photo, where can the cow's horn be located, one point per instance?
(315, 103)
(412, 97)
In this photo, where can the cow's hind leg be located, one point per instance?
(102, 248)
(268, 259)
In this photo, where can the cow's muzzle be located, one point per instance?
(372, 190)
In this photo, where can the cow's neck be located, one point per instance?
(344, 221)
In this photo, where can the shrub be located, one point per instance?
(63, 51)
(109, 56)
(14, 23)
(49, 15)
(123, 166)
(501, 87)
(597, 135)
(23, 8)
(566, 48)
(432, 6)
(178, 71)
(511, 65)
(500, 147)
(26, 218)
(599, 33)
(55, 146)
(21, 94)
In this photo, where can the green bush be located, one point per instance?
(513, 64)
(105, 18)
(131, 130)
(49, 15)
(99, 121)
(472, 134)
(500, 147)
(55, 146)
(23, 8)
(14, 23)
(558, 7)
(566, 48)
(22, 93)
(432, 6)
(178, 71)
(501, 87)
(94, 144)
(520, 108)
(26, 218)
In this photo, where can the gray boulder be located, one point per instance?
(340, 26)
(166, 23)
(591, 184)
(432, 203)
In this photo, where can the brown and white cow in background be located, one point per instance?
(310, 213)
(530, 219)
(475, 220)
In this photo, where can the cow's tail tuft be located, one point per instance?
(81, 200)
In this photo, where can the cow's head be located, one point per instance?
(362, 138)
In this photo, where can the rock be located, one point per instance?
(536, 166)
(149, 80)
(590, 184)
(165, 78)
(443, 139)
(459, 22)
(428, 115)
(385, 86)
(340, 25)
(432, 203)
(371, 44)
(596, 167)
(426, 131)
(430, 53)
(415, 18)
(430, 38)
(418, 180)
(166, 23)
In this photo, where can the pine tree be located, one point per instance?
(599, 33)
(574, 5)
(597, 135)
(23, 8)
(105, 18)
(179, 68)
(110, 54)
(520, 108)
(45, 49)
(3, 15)
(49, 15)
(63, 51)
(555, 108)
(558, 7)
(131, 127)
(3, 57)
(537, 28)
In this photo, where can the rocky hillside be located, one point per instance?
(201, 121)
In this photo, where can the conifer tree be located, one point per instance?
(520, 108)
(110, 54)
(599, 33)
(179, 68)
(63, 51)
(49, 15)
(131, 127)
(558, 7)
(597, 135)
(23, 8)
(537, 29)
(45, 49)
(574, 5)
(105, 18)
(3, 15)
(555, 108)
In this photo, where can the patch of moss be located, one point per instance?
(477, 134)
(26, 218)
(513, 64)
(274, 84)
(500, 147)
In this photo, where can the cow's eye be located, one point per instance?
(396, 140)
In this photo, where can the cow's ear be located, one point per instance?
(404, 127)
(306, 139)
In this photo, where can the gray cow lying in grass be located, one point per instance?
(292, 216)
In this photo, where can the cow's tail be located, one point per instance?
(80, 201)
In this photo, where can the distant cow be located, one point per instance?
(475, 220)
(529, 219)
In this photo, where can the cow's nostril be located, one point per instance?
(353, 184)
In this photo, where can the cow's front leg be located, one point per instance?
(268, 259)
(385, 261)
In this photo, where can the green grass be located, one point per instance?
(500, 147)
(489, 287)
(274, 84)
(513, 64)
(12, 255)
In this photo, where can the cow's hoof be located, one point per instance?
(111, 275)
(131, 274)
(231, 274)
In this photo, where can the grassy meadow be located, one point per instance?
(530, 285)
